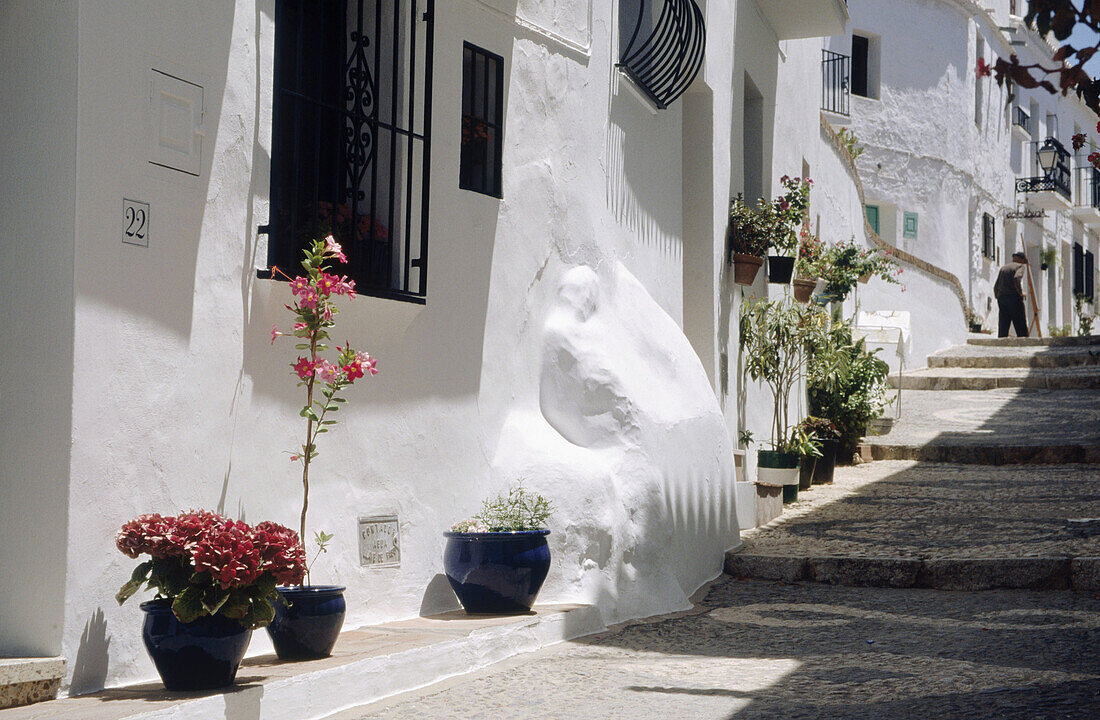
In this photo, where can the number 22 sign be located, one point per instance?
(135, 222)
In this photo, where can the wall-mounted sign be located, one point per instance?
(379, 544)
(135, 222)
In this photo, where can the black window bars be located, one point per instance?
(351, 141)
(835, 69)
(664, 49)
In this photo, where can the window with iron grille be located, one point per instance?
(1090, 278)
(1078, 269)
(479, 165)
(989, 239)
(351, 138)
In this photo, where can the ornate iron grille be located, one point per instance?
(664, 49)
(1055, 180)
(834, 82)
(351, 138)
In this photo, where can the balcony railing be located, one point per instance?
(1086, 187)
(1057, 179)
(665, 49)
(1021, 119)
(835, 90)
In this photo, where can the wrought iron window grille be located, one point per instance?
(1057, 179)
(989, 236)
(351, 138)
(664, 50)
(835, 91)
(480, 164)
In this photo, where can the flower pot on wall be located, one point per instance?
(803, 289)
(496, 572)
(779, 468)
(865, 278)
(780, 269)
(307, 621)
(826, 464)
(199, 655)
(745, 268)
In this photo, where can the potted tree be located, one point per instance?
(309, 619)
(748, 241)
(497, 560)
(846, 383)
(780, 218)
(773, 346)
(215, 583)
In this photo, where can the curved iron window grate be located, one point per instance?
(663, 55)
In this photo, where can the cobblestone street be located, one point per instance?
(757, 649)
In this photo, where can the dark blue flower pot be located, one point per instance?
(307, 621)
(199, 655)
(497, 572)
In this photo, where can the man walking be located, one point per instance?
(1009, 291)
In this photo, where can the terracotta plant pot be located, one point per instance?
(864, 278)
(803, 290)
(745, 268)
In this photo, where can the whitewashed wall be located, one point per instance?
(550, 346)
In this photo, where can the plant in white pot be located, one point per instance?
(308, 621)
(773, 344)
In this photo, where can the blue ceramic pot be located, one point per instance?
(307, 621)
(199, 655)
(497, 572)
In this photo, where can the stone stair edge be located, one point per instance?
(950, 573)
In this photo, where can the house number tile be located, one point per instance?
(135, 222)
(379, 541)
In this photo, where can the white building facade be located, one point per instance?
(543, 274)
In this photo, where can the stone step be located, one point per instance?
(955, 378)
(941, 573)
(968, 453)
(974, 356)
(367, 665)
(1033, 342)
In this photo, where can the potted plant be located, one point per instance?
(807, 264)
(772, 338)
(215, 583)
(826, 438)
(973, 321)
(1048, 257)
(845, 264)
(1084, 319)
(308, 622)
(497, 560)
(781, 217)
(808, 447)
(846, 382)
(748, 241)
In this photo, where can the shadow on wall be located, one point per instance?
(157, 282)
(438, 597)
(92, 656)
(643, 162)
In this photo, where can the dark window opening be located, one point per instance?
(479, 167)
(989, 232)
(1078, 269)
(1090, 279)
(351, 138)
(860, 59)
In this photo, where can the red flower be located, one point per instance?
(281, 552)
(983, 69)
(227, 553)
(1078, 141)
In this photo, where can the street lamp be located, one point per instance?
(1048, 153)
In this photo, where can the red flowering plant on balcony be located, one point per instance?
(206, 564)
(314, 312)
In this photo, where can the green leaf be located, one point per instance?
(321, 430)
(137, 579)
(307, 412)
(237, 604)
(302, 346)
(329, 422)
(260, 613)
(213, 598)
(187, 607)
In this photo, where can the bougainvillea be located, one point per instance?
(314, 315)
(206, 564)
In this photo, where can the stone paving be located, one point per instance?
(757, 650)
(994, 426)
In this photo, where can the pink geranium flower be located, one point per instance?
(304, 368)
